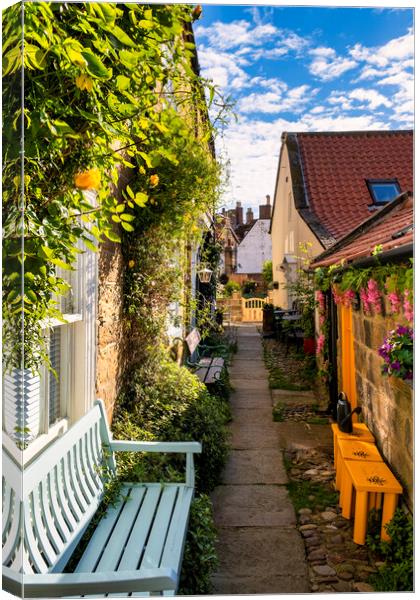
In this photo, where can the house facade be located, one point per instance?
(325, 186)
(364, 319)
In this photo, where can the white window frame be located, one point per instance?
(77, 365)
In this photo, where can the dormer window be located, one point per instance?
(383, 190)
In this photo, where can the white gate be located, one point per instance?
(252, 309)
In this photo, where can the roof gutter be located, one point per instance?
(393, 255)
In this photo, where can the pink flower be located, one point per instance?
(408, 307)
(320, 343)
(337, 296)
(374, 296)
(348, 298)
(395, 302)
(365, 300)
(321, 319)
(319, 296)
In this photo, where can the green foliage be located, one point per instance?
(396, 575)
(390, 277)
(267, 271)
(278, 411)
(167, 402)
(230, 287)
(107, 87)
(306, 494)
(249, 286)
(200, 558)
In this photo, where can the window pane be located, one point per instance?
(54, 380)
(383, 192)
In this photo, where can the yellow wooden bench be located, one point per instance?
(368, 485)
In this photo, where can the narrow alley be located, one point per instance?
(260, 548)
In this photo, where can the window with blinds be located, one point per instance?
(54, 399)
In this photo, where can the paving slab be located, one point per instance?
(261, 551)
(254, 436)
(253, 466)
(259, 547)
(252, 415)
(239, 383)
(253, 506)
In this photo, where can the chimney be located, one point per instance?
(239, 214)
(249, 216)
(265, 209)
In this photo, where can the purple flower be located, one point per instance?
(396, 365)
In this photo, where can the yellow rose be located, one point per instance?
(131, 263)
(83, 82)
(154, 180)
(88, 180)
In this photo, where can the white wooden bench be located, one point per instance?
(207, 368)
(138, 544)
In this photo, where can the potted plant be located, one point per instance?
(268, 318)
(397, 352)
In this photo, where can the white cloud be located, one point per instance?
(397, 49)
(223, 68)
(294, 100)
(226, 36)
(371, 98)
(253, 147)
(326, 65)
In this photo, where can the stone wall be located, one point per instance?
(232, 307)
(387, 402)
(111, 354)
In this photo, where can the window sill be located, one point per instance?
(24, 457)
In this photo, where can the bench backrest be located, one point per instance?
(48, 505)
(192, 340)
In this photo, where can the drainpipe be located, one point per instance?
(332, 352)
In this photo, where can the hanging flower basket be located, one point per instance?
(397, 352)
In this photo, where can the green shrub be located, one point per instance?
(396, 575)
(200, 558)
(167, 402)
(230, 287)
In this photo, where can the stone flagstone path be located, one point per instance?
(260, 549)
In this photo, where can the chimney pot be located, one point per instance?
(268, 199)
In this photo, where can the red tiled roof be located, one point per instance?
(395, 219)
(336, 166)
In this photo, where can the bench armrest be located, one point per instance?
(133, 446)
(56, 585)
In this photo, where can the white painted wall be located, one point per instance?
(255, 248)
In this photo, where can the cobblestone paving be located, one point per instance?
(336, 563)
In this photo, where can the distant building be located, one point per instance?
(252, 236)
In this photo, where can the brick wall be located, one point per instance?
(387, 402)
(111, 354)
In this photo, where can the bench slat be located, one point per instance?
(31, 546)
(121, 532)
(140, 530)
(81, 473)
(155, 544)
(98, 540)
(173, 550)
(63, 527)
(57, 585)
(7, 506)
(13, 538)
(75, 482)
(51, 523)
(39, 518)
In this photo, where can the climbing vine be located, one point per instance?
(106, 86)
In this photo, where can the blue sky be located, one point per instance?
(302, 69)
